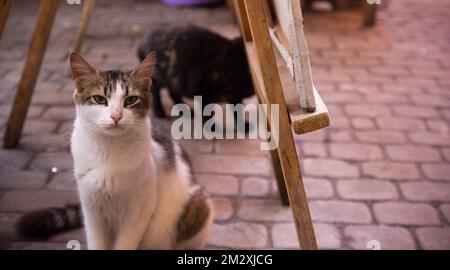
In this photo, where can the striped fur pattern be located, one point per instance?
(43, 223)
(134, 181)
(194, 61)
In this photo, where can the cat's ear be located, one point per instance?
(141, 76)
(82, 72)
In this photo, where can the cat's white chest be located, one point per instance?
(97, 169)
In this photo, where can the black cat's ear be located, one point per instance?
(141, 76)
(238, 40)
(82, 72)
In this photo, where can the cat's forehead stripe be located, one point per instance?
(115, 79)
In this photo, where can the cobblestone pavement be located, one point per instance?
(380, 172)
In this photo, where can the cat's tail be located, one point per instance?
(44, 223)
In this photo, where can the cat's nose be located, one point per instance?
(116, 117)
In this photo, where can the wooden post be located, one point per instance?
(300, 58)
(369, 14)
(279, 177)
(88, 8)
(276, 164)
(5, 7)
(243, 20)
(41, 34)
(286, 146)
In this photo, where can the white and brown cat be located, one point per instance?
(134, 181)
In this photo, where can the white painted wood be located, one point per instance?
(300, 58)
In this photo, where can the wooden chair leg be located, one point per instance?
(5, 6)
(88, 8)
(41, 34)
(286, 146)
(279, 177)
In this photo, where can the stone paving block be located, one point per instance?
(445, 209)
(232, 165)
(63, 182)
(317, 188)
(434, 238)
(264, 210)
(437, 171)
(35, 127)
(13, 160)
(239, 235)
(381, 137)
(255, 186)
(313, 150)
(219, 184)
(340, 211)
(355, 151)
(22, 180)
(404, 213)
(223, 208)
(329, 168)
(46, 161)
(46, 142)
(24, 201)
(7, 225)
(391, 170)
(426, 138)
(412, 153)
(37, 246)
(239, 147)
(415, 111)
(284, 236)
(399, 123)
(425, 191)
(388, 237)
(366, 190)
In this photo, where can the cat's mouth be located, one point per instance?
(115, 127)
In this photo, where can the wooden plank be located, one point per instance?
(286, 147)
(41, 34)
(242, 18)
(5, 7)
(88, 8)
(268, 13)
(300, 59)
(301, 120)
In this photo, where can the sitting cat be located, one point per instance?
(194, 61)
(133, 179)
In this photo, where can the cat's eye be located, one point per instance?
(100, 100)
(130, 100)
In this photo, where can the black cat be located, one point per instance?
(193, 61)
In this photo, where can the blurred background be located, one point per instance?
(380, 172)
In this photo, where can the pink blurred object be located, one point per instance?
(190, 2)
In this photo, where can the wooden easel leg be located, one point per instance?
(369, 14)
(243, 21)
(279, 177)
(276, 164)
(286, 146)
(88, 8)
(5, 7)
(41, 34)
